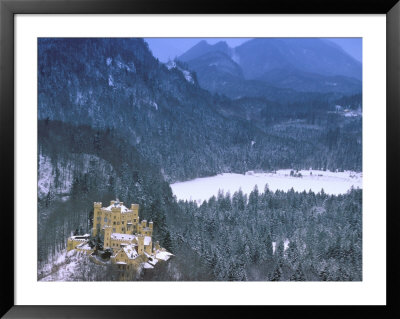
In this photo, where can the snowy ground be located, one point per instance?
(334, 183)
(47, 173)
(62, 268)
(77, 266)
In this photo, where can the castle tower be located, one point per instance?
(135, 209)
(107, 236)
(148, 248)
(141, 227)
(151, 228)
(96, 222)
(135, 217)
(116, 218)
(140, 244)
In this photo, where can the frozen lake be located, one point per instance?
(335, 183)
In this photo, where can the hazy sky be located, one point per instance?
(168, 48)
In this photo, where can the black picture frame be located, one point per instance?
(8, 8)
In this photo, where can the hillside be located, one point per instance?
(81, 165)
(178, 127)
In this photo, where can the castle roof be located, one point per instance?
(119, 236)
(163, 255)
(80, 237)
(130, 252)
(147, 240)
(75, 238)
(151, 260)
(84, 246)
(124, 209)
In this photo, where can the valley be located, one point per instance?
(333, 183)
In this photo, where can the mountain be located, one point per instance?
(203, 47)
(274, 68)
(312, 55)
(218, 73)
(303, 81)
(217, 62)
(181, 129)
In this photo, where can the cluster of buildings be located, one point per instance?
(129, 239)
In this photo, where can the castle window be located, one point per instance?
(113, 230)
(114, 223)
(105, 219)
(122, 222)
(98, 219)
(117, 223)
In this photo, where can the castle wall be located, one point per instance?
(116, 243)
(72, 243)
(96, 218)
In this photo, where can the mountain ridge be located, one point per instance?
(265, 60)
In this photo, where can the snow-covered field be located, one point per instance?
(334, 183)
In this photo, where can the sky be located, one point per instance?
(166, 49)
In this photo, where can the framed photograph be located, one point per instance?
(192, 154)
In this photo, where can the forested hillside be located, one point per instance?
(271, 236)
(177, 126)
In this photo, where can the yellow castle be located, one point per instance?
(129, 239)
